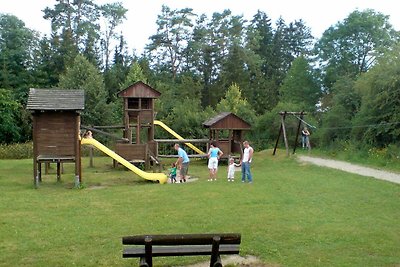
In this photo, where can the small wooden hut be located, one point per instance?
(138, 105)
(56, 125)
(227, 130)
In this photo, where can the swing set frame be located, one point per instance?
(282, 130)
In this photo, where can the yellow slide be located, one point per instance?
(163, 125)
(161, 177)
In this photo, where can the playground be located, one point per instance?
(58, 134)
(294, 214)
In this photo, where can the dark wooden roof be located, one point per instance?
(55, 99)
(139, 90)
(227, 120)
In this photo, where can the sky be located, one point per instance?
(140, 24)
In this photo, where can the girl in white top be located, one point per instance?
(214, 154)
(231, 169)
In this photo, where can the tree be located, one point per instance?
(350, 47)
(336, 121)
(233, 102)
(169, 43)
(84, 75)
(113, 15)
(380, 105)
(10, 132)
(300, 86)
(75, 28)
(135, 74)
(17, 48)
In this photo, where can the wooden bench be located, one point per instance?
(180, 245)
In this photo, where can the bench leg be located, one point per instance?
(218, 263)
(215, 252)
(143, 262)
(148, 251)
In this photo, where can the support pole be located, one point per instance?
(297, 133)
(284, 133)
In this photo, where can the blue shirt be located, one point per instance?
(214, 152)
(182, 154)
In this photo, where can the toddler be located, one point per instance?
(172, 173)
(231, 170)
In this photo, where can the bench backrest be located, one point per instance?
(182, 239)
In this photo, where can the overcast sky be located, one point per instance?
(319, 15)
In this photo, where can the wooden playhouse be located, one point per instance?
(227, 130)
(56, 125)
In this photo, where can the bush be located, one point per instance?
(16, 151)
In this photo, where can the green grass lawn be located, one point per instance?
(292, 215)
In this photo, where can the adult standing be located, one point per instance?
(182, 163)
(214, 154)
(247, 157)
(305, 135)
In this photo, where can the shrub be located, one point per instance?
(16, 151)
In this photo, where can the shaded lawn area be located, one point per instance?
(292, 215)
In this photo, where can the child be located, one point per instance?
(231, 170)
(172, 173)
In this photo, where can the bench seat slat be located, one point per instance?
(182, 239)
(180, 251)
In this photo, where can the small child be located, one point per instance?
(231, 170)
(172, 173)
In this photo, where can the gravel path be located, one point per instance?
(348, 167)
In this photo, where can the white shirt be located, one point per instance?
(246, 154)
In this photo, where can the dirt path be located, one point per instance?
(348, 167)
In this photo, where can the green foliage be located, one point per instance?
(235, 103)
(380, 106)
(114, 14)
(16, 151)
(336, 122)
(187, 118)
(135, 74)
(300, 85)
(173, 30)
(83, 75)
(17, 46)
(9, 110)
(350, 47)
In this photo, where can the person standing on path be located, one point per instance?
(182, 163)
(214, 154)
(247, 157)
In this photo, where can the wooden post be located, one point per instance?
(279, 136)
(58, 171)
(284, 133)
(215, 250)
(78, 166)
(91, 156)
(138, 126)
(148, 251)
(35, 151)
(297, 133)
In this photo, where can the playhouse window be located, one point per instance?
(133, 103)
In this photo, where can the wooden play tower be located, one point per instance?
(138, 110)
(56, 125)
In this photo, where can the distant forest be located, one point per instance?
(348, 81)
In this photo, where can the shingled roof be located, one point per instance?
(55, 99)
(226, 120)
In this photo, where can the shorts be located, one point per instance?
(184, 169)
(213, 163)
